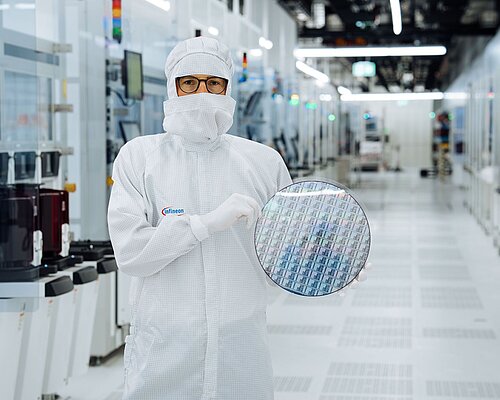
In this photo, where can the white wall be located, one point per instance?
(146, 28)
(242, 32)
(283, 33)
(154, 32)
(408, 124)
(481, 160)
(87, 133)
(481, 78)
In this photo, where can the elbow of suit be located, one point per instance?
(131, 269)
(136, 266)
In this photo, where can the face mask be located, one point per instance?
(200, 118)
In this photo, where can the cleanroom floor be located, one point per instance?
(424, 325)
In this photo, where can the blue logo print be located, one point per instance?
(172, 211)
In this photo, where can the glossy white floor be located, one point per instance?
(425, 325)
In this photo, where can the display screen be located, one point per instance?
(132, 75)
(371, 124)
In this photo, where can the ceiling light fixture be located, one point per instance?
(343, 90)
(163, 4)
(456, 95)
(392, 96)
(213, 30)
(319, 14)
(302, 17)
(306, 69)
(256, 52)
(266, 44)
(371, 51)
(397, 25)
(25, 6)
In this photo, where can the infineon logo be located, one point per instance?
(172, 211)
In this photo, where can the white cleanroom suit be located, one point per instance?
(199, 294)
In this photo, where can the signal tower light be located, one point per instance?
(117, 20)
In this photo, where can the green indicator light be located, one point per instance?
(332, 117)
(432, 115)
(366, 116)
(294, 102)
(311, 106)
(450, 116)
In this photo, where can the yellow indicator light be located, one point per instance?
(70, 187)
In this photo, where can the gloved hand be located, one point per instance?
(361, 276)
(235, 207)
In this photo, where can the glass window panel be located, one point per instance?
(26, 115)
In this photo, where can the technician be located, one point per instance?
(181, 216)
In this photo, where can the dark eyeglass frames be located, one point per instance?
(190, 84)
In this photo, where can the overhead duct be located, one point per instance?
(318, 13)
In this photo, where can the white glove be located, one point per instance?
(361, 276)
(234, 208)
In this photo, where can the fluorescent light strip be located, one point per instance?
(392, 96)
(25, 6)
(256, 52)
(397, 25)
(163, 4)
(306, 69)
(456, 95)
(371, 51)
(343, 90)
(267, 44)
